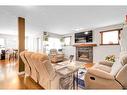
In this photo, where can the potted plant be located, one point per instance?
(110, 58)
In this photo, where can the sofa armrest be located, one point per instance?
(52, 54)
(106, 63)
(100, 73)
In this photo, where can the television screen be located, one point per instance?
(83, 37)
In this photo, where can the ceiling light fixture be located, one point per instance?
(78, 29)
(86, 33)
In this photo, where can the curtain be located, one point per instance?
(123, 40)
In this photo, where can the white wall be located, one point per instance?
(69, 50)
(31, 43)
(99, 52)
(52, 35)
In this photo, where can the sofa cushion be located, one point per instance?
(39, 57)
(123, 58)
(107, 63)
(50, 70)
(116, 67)
(121, 76)
(103, 67)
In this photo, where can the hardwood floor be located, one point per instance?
(88, 65)
(9, 78)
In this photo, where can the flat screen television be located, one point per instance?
(84, 37)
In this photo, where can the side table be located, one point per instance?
(68, 77)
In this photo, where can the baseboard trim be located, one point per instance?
(21, 73)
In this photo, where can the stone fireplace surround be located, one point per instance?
(84, 52)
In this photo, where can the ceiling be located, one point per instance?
(60, 19)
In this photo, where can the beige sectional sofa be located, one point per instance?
(40, 69)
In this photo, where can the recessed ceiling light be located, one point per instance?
(27, 6)
(78, 29)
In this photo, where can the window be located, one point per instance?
(2, 42)
(110, 37)
(38, 44)
(26, 42)
(53, 43)
(67, 41)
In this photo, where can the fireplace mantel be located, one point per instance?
(85, 45)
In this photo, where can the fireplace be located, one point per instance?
(84, 54)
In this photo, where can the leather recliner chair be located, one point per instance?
(101, 76)
(48, 78)
(111, 76)
(55, 56)
(42, 71)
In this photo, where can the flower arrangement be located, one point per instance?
(110, 58)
